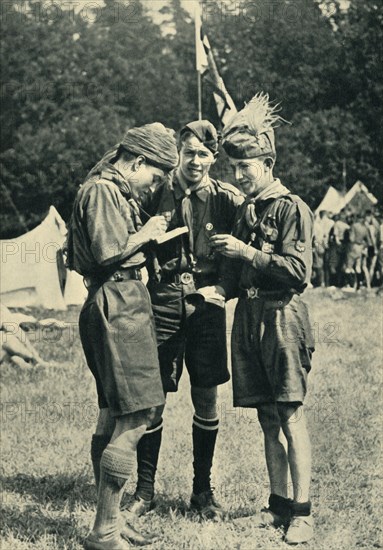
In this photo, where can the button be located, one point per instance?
(186, 278)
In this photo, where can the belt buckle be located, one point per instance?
(186, 278)
(252, 293)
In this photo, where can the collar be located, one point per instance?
(272, 191)
(202, 191)
(110, 173)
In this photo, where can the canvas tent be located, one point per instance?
(357, 199)
(30, 268)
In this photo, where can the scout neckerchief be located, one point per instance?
(272, 191)
(201, 189)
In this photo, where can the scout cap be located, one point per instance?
(204, 131)
(250, 133)
(155, 142)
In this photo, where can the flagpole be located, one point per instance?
(197, 21)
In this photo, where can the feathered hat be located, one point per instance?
(250, 133)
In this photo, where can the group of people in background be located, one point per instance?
(348, 249)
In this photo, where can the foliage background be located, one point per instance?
(74, 80)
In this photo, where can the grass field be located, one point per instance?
(48, 415)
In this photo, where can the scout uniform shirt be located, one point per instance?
(105, 217)
(208, 210)
(281, 229)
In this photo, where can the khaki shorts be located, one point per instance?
(118, 337)
(271, 351)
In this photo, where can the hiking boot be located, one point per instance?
(206, 505)
(137, 508)
(130, 534)
(301, 529)
(267, 518)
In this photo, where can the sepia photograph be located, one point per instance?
(191, 274)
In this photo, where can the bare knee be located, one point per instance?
(205, 401)
(131, 427)
(293, 420)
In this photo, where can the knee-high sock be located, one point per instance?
(115, 468)
(148, 449)
(98, 446)
(204, 438)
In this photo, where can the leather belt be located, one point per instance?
(253, 293)
(118, 276)
(178, 278)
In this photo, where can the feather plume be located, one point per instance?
(258, 116)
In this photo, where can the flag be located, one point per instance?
(206, 66)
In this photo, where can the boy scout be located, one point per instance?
(271, 249)
(198, 335)
(105, 245)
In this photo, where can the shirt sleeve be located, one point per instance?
(292, 267)
(107, 223)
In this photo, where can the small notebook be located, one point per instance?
(171, 235)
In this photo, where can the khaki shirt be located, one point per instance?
(105, 218)
(214, 206)
(282, 234)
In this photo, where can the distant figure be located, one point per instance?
(380, 254)
(373, 228)
(337, 249)
(322, 228)
(356, 257)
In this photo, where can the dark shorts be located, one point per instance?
(118, 337)
(271, 351)
(196, 335)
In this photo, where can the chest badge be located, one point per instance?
(300, 247)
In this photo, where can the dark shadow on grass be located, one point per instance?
(31, 524)
(55, 490)
(164, 506)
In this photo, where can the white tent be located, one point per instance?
(75, 291)
(334, 201)
(29, 268)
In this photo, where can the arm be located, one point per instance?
(290, 267)
(110, 226)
